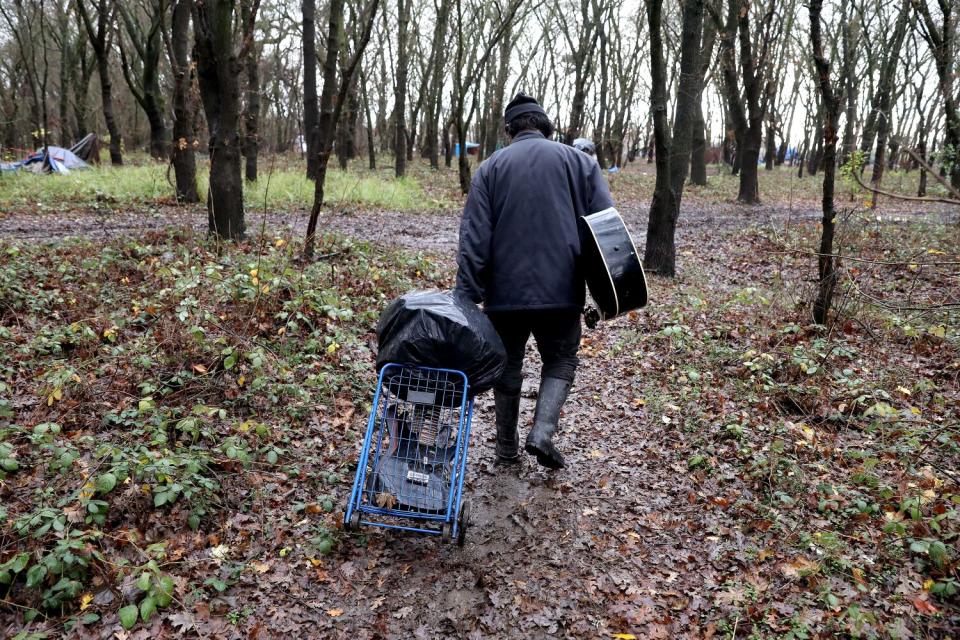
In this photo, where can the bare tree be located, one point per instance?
(673, 156)
(311, 112)
(437, 63)
(331, 101)
(141, 67)
(99, 27)
(400, 90)
(581, 37)
(942, 41)
(251, 109)
(472, 53)
(184, 133)
(219, 65)
(826, 262)
(27, 22)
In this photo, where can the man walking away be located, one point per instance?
(518, 255)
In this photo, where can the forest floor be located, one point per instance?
(179, 427)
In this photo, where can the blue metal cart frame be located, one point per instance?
(413, 461)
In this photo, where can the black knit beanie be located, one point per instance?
(520, 105)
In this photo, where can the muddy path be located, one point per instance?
(428, 232)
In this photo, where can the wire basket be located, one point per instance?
(414, 453)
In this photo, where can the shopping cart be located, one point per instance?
(411, 468)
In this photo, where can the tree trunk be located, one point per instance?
(371, 143)
(880, 105)
(736, 129)
(752, 78)
(771, 151)
(251, 113)
(494, 133)
(850, 86)
(826, 263)
(184, 135)
(879, 158)
(673, 157)
(942, 41)
(100, 42)
(67, 66)
(582, 51)
(332, 98)
(218, 71)
(447, 145)
(603, 101)
(400, 95)
(81, 88)
(310, 109)
(698, 161)
(144, 80)
(437, 61)
(325, 124)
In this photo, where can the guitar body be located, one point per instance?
(610, 264)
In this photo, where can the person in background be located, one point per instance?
(518, 254)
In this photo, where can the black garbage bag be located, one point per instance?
(441, 330)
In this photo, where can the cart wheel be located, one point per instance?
(354, 523)
(463, 522)
(447, 532)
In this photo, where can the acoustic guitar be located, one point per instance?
(610, 264)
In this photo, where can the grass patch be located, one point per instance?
(282, 187)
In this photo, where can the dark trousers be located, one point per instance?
(557, 334)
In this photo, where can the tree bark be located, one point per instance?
(371, 143)
(826, 263)
(672, 157)
(219, 66)
(736, 113)
(101, 44)
(310, 109)
(437, 61)
(698, 156)
(143, 79)
(753, 77)
(494, 133)
(400, 93)
(582, 43)
(880, 104)
(942, 41)
(251, 113)
(332, 98)
(184, 135)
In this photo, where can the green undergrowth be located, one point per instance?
(834, 449)
(154, 390)
(282, 186)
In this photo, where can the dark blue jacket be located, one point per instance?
(518, 237)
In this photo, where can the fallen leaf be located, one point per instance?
(260, 567)
(924, 607)
(799, 568)
(334, 613)
(386, 500)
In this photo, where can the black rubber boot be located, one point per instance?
(553, 393)
(508, 441)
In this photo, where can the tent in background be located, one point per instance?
(88, 148)
(56, 159)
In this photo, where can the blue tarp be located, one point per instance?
(472, 149)
(59, 160)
